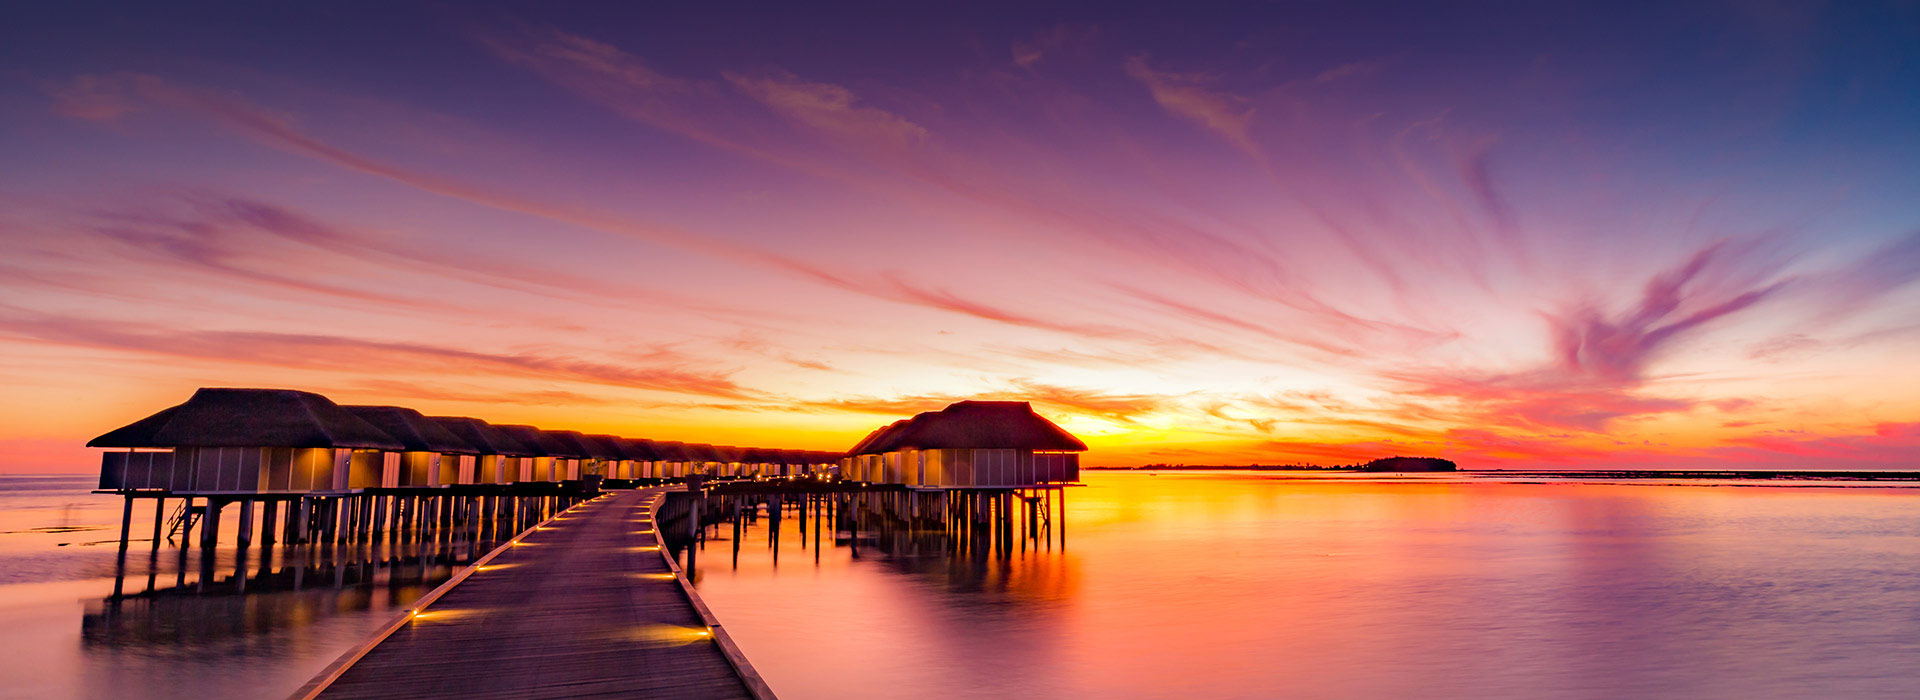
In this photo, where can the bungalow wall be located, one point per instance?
(989, 468)
(487, 468)
(371, 468)
(459, 469)
(229, 469)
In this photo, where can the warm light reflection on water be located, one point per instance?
(200, 637)
(1258, 586)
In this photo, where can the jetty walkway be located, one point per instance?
(587, 604)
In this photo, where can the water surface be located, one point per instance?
(254, 623)
(1265, 585)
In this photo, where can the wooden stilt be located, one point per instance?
(159, 517)
(269, 512)
(126, 527)
(244, 538)
(210, 526)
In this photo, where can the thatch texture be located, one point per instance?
(641, 450)
(484, 437)
(670, 451)
(885, 433)
(251, 418)
(577, 446)
(417, 432)
(973, 425)
(536, 441)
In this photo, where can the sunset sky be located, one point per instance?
(1529, 235)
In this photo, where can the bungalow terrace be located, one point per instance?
(433, 456)
(236, 441)
(970, 444)
(500, 454)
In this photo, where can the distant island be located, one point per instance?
(1385, 464)
(1410, 464)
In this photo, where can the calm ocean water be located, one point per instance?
(1263, 586)
(1169, 586)
(247, 627)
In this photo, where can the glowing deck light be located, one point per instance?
(655, 576)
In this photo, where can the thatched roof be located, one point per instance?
(417, 432)
(251, 418)
(973, 425)
(704, 453)
(570, 444)
(594, 447)
(669, 451)
(537, 442)
(642, 450)
(865, 446)
(484, 437)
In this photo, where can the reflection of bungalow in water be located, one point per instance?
(499, 453)
(433, 457)
(244, 441)
(970, 444)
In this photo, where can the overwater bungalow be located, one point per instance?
(604, 455)
(865, 461)
(970, 444)
(238, 441)
(498, 453)
(433, 456)
(669, 459)
(642, 455)
(545, 448)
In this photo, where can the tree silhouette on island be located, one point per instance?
(1384, 464)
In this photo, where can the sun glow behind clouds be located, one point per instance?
(1402, 242)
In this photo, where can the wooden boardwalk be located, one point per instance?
(585, 606)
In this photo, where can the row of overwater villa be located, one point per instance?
(349, 473)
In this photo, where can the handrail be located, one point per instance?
(749, 677)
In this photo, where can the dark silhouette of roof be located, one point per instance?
(417, 432)
(972, 425)
(670, 451)
(578, 446)
(536, 441)
(642, 450)
(484, 437)
(881, 435)
(251, 418)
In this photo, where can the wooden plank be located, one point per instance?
(584, 605)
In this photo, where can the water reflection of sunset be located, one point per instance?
(1248, 586)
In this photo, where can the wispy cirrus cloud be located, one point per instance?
(331, 352)
(1227, 115)
(828, 108)
(1119, 407)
